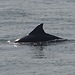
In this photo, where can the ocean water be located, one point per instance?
(20, 17)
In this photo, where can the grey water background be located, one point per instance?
(18, 18)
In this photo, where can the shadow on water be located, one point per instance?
(38, 52)
(37, 48)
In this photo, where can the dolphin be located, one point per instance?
(38, 35)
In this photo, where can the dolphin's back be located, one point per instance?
(37, 35)
(38, 38)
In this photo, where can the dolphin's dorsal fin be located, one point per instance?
(38, 30)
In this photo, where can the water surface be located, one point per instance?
(20, 17)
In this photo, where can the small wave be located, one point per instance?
(3, 40)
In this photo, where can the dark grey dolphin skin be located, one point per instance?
(38, 35)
